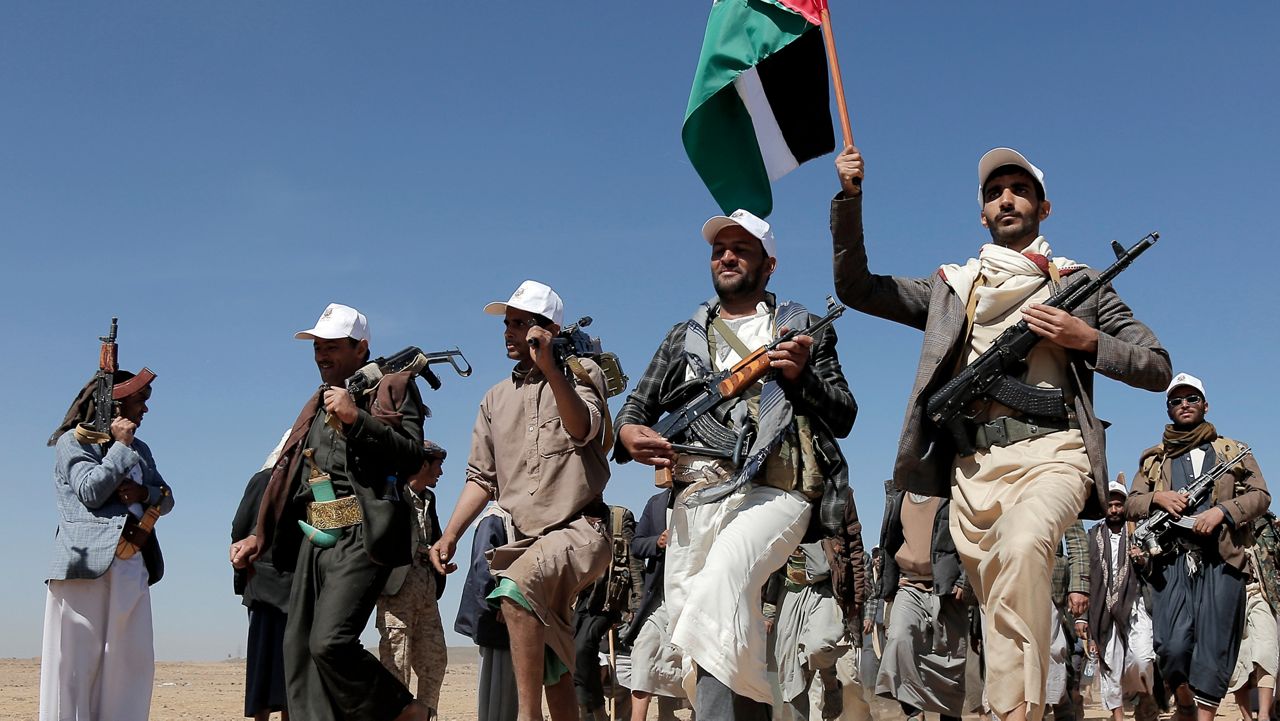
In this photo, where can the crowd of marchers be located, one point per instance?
(742, 591)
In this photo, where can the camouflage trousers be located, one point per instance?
(412, 637)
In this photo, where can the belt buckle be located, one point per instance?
(997, 432)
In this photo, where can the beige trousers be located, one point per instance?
(1009, 509)
(411, 635)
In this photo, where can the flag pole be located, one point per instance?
(834, 63)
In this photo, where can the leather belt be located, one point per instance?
(1007, 430)
(328, 515)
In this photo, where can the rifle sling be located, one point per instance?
(729, 337)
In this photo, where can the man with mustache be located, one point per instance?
(1198, 583)
(721, 550)
(364, 447)
(1030, 476)
(538, 450)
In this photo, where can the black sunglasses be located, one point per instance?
(1192, 399)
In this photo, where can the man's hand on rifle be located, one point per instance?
(340, 404)
(646, 446)
(541, 352)
(1208, 522)
(131, 492)
(662, 539)
(1062, 328)
(790, 358)
(122, 430)
(1171, 501)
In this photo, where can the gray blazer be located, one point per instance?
(1127, 351)
(90, 516)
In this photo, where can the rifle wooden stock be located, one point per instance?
(745, 372)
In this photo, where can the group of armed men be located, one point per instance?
(754, 576)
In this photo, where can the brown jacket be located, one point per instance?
(1242, 493)
(1127, 351)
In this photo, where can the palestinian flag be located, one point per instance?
(759, 105)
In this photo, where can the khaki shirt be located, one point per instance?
(525, 459)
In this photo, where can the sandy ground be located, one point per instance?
(213, 691)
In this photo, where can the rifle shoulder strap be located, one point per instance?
(1226, 450)
(606, 432)
(729, 337)
(970, 313)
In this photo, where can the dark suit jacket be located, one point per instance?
(947, 571)
(653, 521)
(1127, 351)
(385, 442)
(1242, 493)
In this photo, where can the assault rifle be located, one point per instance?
(412, 359)
(994, 373)
(573, 342)
(692, 415)
(1151, 535)
(104, 406)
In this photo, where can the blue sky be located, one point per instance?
(216, 173)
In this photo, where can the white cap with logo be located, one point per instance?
(337, 321)
(746, 220)
(1000, 157)
(1185, 379)
(1117, 486)
(533, 297)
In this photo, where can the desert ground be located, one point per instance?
(213, 691)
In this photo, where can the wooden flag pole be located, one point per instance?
(834, 63)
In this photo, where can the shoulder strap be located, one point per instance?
(606, 432)
(730, 337)
(616, 517)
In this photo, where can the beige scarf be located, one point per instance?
(1008, 277)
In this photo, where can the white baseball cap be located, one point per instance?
(533, 297)
(1117, 486)
(1185, 379)
(757, 227)
(1000, 157)
(337, 321)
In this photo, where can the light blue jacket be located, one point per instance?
(90, 516)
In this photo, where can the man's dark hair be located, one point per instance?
(354, 343)
(1012, 169)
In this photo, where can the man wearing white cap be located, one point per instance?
(1199, 581)
(1031, 476)
(538, 450)
(733, 525)
(357, 450)
(1119, 623)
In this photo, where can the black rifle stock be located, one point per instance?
(992, 374)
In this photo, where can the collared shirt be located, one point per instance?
(524, 458)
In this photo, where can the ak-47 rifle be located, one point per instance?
(104, 406)
(573, 342)
(1150, 535)
(994, 373)
(724, 385)
(412, 359)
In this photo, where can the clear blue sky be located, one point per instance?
(215, 173)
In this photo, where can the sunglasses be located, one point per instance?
(1191, 399)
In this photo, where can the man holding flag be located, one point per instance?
(1030, 477)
